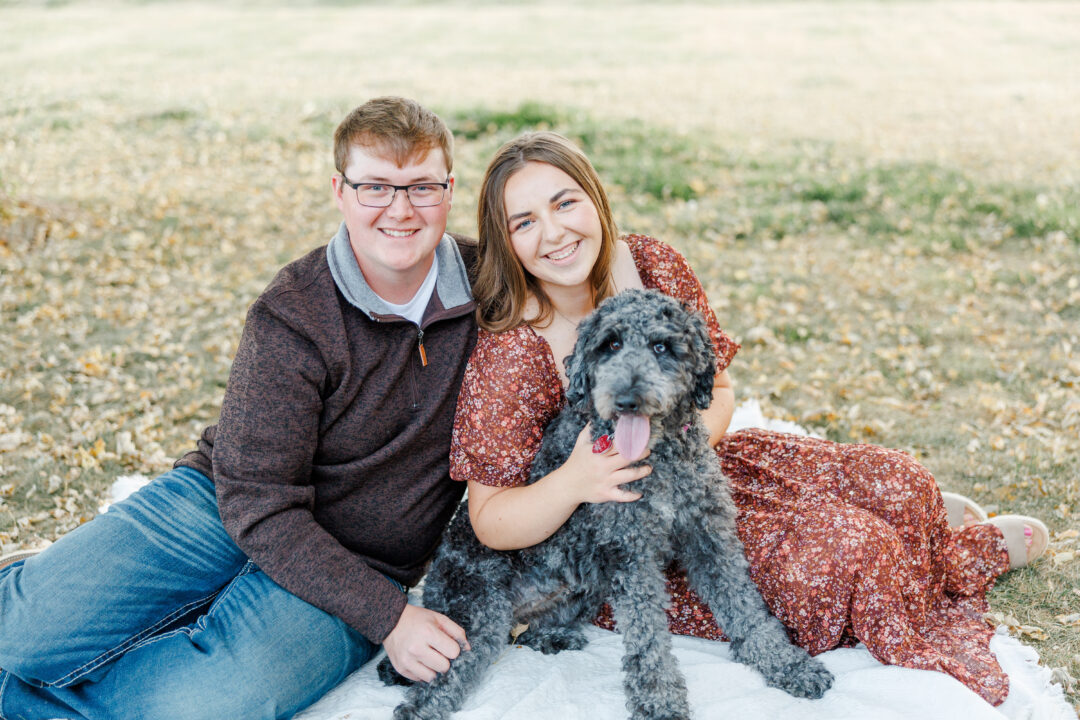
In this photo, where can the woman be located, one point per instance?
(846, 542)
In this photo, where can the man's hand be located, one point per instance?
(423, 643)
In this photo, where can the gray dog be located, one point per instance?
(641, 371)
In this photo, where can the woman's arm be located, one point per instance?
(509, 518)
(717, 416)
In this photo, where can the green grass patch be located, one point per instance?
(801, 189)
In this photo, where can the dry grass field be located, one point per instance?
(883, 201)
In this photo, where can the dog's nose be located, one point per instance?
(627, 404)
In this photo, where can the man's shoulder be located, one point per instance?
(304, 273)
(468, 247)
(463, 240)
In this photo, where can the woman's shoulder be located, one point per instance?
(640, 243)
(660, 266)
(515, 355)
(512, 341)
(652, 253)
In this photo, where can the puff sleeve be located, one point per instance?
(510, 392)
(663, 268)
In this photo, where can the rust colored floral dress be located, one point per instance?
(847, 543)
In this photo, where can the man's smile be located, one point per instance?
(398, 233)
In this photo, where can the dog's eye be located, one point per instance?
(614, 344)
(659, 348)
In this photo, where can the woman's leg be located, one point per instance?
(773, 471)
(852, 540)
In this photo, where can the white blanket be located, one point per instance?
(526, 685)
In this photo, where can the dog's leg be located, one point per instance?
(552, 638)
(487, 620)
(717, 569)
(655, 687)
(559, 627)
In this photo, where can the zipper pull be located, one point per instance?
(420, 344)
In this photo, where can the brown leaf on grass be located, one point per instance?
(996, 619)
(1072, 620)
(12, 440)
(1062, 677)
(1033, 632)
(1064, 557)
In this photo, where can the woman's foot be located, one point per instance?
(1025, 537)
(963, 511)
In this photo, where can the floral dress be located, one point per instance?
(847, 543)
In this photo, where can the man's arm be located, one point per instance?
(263, 452)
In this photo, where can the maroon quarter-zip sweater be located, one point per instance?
(330, 458)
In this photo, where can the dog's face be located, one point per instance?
(639, 357)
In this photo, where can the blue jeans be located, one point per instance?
(151, 611)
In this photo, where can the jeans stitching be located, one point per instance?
(110, 654)
(3, 687)
(128, 644)
(248, 568)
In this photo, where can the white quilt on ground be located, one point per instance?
(527, 685)
(524, 684)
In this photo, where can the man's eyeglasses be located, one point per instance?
(382, 194)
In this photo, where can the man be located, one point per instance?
(272, 561)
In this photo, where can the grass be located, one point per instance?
(916, 289)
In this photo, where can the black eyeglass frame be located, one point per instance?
(356, 187)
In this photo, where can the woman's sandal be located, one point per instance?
(1025, 537)
(963, 511)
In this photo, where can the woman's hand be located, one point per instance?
(595, 477)
(510, 518)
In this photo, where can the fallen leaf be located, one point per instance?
(1036, 633)
(1062, 677)
(1064, 557)
(10, 441)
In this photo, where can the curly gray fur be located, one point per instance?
(663, 364)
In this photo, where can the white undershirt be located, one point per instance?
(414, 309)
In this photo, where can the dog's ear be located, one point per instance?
(577, 373)
(704, 359)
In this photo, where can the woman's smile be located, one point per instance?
(561, 256)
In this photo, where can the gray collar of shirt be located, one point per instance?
(452, 285)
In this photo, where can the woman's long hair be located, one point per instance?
(502, 285)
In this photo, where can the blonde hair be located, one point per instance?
(400, 128)
(502, 286)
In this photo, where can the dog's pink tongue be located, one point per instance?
(631, 436)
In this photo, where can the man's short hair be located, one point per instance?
(398, 128)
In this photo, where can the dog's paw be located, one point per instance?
(553, 640)
(649, 711)
(808, 679)
(408, 711)
(386, 672)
